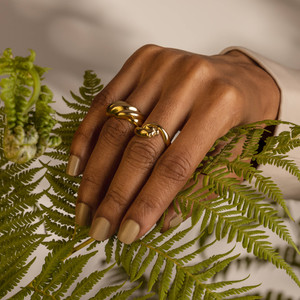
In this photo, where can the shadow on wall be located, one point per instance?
(289, 12)
(65, 38)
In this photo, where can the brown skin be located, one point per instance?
(129, 177)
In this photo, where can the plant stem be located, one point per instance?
(36, 90)
(30, 285)
(82, 245)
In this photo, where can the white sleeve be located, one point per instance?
(288, 81)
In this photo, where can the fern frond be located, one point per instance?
(148, 296)
(284, 142)
(14, 278)
(252, 240)
(279, 161)
(67, 274)
(251, 144)
(13, 204)
(61, 203)
(63, 187)
(16, 241)
(76, 106)
(58, 217)
(236, 291)
(109, 248)
(59, 155)
(58, 229)
(19, 221)
(60, 171)
(137, 257)
(87, 283)
(52, 261)
(263, 184)
(13, 266)
(106, 292)
(123, 295)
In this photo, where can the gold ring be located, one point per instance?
(122, 110)
(151, 130)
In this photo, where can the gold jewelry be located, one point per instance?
(151, 130)
(122, 110)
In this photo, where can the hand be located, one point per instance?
(129, 181)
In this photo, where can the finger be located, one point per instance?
(173, 218)
(137, 163)
(106, 156)
(170, 174)
(87, 134)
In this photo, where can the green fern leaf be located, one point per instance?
(148, 296)
(87, 283)
(67, 274)
(14, 267)
(106, 292)
(53, 262)
(125, 294)
(280, 161)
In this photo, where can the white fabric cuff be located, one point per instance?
(288, 81)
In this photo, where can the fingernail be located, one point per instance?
(128, 232)
(100, 229)
(73, 165)
(83, 214)
(176, 221)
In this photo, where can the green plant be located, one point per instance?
(170, 264)
(27, 131)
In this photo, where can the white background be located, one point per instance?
(71, 36)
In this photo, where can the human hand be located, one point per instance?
(129, 181)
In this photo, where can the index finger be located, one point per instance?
(87, 133)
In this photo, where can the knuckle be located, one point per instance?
(102, 100)
(115, 130)
(174, 167)
(197, 68)
(142, 53)
(116, 200)
(148, 204)
(203, 67)
(91, 178)
(231, 97)
(231, 93)
(142, 154)
(228, 99)
(148, 49)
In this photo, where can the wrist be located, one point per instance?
(264, 81)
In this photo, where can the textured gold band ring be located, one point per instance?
(151, 130)
(122, 110)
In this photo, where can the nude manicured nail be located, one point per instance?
(128, 232)
(83, 214)
(73, 166)
(176, 221)
(100, 229)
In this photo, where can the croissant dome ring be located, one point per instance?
(151, 130)
(123, 110)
